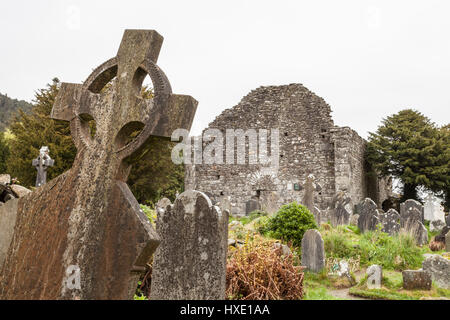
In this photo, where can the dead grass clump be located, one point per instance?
(259, 271)
(436, 245)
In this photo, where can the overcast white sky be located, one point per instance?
(367, 59)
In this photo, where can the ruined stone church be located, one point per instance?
(311, 148)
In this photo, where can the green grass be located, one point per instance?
(319, 293)
(149, 212)
(316, 286)
(379, 294)
(398, 252)
(392, 289)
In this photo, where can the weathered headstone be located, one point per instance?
(390, 221)
(411, 220)
(416, 280)
(338, 212)
(439, 268)
(410, 217)
(42, 162)
(368, 215)
(190, 263)
(420, 233)
(374, 276)
(82, 235)
(406, 208)
(8, 216)
(313, 252)
(252, 205)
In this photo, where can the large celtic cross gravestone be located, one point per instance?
(82, 235)
(42, 162)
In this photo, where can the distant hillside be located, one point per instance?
(10, 106)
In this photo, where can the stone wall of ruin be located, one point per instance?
(349, 163)
(309, 144)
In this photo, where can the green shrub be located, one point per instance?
(290, 223)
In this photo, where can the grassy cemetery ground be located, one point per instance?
(394, 254)
(254, 271)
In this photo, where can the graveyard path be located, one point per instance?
(344, 294)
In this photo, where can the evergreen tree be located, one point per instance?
(4, 153)
(410, 147)
(37, 129)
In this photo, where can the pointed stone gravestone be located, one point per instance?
(368, 215)
(82, 235)
(190, 263)
(313, 252)
(407, 208)
(391, 221)
(42, 162)
(411, 217)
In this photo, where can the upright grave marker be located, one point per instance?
(86, 223)
(42, 162)
(190, 263)
(313, 252)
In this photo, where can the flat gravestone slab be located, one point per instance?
(416, 280)
(82, 235)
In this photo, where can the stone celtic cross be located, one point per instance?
(42, 162)
(82, 235)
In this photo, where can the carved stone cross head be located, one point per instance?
(117, 106)
(42, 162)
